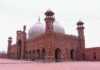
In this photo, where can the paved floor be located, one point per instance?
(6, 64)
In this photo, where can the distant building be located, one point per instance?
(3, 54)
(50, 43)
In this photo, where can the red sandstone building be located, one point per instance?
(50, 43)
(3, 54)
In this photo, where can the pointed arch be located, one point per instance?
(83, 56)
(33, 55)
(29, 55)
(38, 54)
(57, 54)
(43, 54)
(72, 54)
(26, 55)
(94, 55)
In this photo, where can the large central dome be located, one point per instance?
(39, 29)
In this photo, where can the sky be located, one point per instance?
(16, 13)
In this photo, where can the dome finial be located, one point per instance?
(38, 22)
(39, 18)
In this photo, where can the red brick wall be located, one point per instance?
(89, 52)
(53, 41)
(13, 51)
(3, 55)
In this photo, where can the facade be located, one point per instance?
(50, 43)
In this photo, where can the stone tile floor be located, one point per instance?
(6, 64)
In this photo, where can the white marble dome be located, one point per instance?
(39, 29)
(36, 30)
(58, 28)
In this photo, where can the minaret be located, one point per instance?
(49, 19)
(24, 28)
(9, 45)
(24, 41)
(80, 29)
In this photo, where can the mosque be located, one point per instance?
(50, 43)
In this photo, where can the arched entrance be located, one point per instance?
(38, 54)
(33, 55)
(94, 56)
(43, 54)
(83, 56)
(57, 54)
(72, 56)
(19, 49)
(29, 55)
(26, 56)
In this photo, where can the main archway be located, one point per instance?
(72, 54)
(38, 54)
(57, 54)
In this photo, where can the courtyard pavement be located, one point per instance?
(6, 64)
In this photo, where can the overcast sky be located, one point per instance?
(16, 13)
